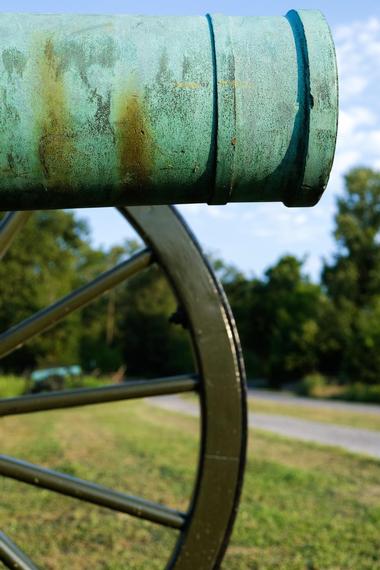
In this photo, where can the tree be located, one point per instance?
(289, 314)
(98, 346)
(278, 321)
(43, 264)
(151, 343)
(352, 281)
(354, 274)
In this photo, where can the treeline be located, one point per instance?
(289, 326)
(128, 328)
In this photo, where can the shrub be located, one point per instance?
(362, 393)
(72, 382)
(12, 386)
(312, 384)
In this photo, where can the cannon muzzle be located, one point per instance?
(135, 110)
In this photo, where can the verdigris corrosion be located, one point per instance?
(127, 110)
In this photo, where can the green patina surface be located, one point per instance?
(111, 110)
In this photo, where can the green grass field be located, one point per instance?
(339, 417)
(303, 507)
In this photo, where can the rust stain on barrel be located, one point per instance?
(135, 147)
(56, 141)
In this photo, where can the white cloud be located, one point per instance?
(358, 54)
(354, 118)
(358, 51)
(191, 209)
(221, 213)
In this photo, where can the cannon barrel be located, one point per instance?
(134, 110)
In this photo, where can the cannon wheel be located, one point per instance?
(205, 529)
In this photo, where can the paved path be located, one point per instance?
(362, 441)
(288, 398)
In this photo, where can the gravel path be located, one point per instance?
(361, 441)
(288, 398)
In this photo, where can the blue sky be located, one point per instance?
(254, 236)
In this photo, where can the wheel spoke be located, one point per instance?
(46, 318)
(90, 492)
(10, 225)
(12, 556)
(84, 397)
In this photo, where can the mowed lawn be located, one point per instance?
(303, 507)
